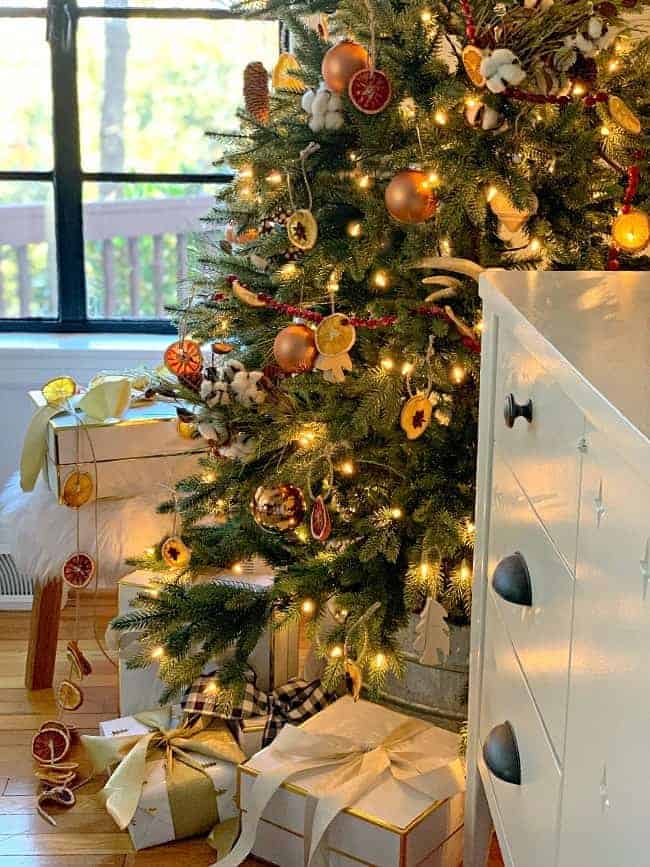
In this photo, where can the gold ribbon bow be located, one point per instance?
(354, 770)
(192, 797)
(109, 398)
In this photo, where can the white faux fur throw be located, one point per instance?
(42, 533)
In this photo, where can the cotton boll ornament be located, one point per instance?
(595, 37)
(501, 69)
(241, 447)
(325, 109)
(214, 433)
(250, 389)
(542, 5)
(481, 116)
(213, 390)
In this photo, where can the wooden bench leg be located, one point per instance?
(43, 633)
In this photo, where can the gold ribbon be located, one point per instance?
(352, 769)
(108, 398)
(192, 797)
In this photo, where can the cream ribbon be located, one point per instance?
(108, 399)
(354, 769)
(123, 790)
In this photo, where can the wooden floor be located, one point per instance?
(85, 836)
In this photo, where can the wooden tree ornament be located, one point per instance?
(43, 633)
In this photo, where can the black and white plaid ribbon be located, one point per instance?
(294, 702)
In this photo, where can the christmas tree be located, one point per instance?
(402, 148)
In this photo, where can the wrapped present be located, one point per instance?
(274, 659)
(356, 784)
(169, 782)
(129, 453)
(260, 715)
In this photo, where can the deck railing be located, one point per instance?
(136, 255)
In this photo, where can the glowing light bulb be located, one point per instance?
(246, 172)
(457, 373)
(396, 513)
(211, 688)
(604, 131)
(425, 570)
(352, 157)
(347, 468)
(440, 117)
(426, 16)
(407, 368)
(302, 534)
(613, 65)
(380, 279)
(274, 178)
(379, 660)
(336, 652)
(490, 193)
(237, 568)
(343, 613)
(149, 552)
(464, 573)
(355, 229)
(387, 363)
(364, 182)
(288, 271)
(245, 192)
(308, 606)
(208, 477)
(579, 89)
(153, 593)
(479, 326)
(471, 527)
(157, 652)
(472, 101)
(535, 245)
(433, 179)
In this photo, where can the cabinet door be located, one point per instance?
(605, 815)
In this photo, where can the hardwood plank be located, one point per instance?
(65, 843)
(61, 860)
(67, 821)
(32, 721)
(22, 786)
(86, 803)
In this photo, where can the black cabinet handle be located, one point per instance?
(513, 410)
(511, 580)
(501, 754)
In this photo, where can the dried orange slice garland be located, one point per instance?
(472, 58)
(78, 570)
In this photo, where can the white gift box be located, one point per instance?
(390, 826)
(140, 450)
(274, 660)
(152, 823)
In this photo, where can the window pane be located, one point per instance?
(159, 4)
(150, 88)
(27, 251)
(141, 243)
(26, 140)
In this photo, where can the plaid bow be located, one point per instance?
(294, 702)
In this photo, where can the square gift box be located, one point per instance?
(153, 822)
(274, 660)
(133, 454)
(392, 825)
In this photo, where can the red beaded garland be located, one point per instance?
(632, 188)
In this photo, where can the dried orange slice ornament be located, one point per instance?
(50, 745)
(335, 335)
(175, 553)
(59, 389)
(302, 229)
(623, 115)
(282, 78)
(370, 91)
(78, 570)
(69, 695)
(416, 416)
(184, 358)
(77, 490)
(472, 59)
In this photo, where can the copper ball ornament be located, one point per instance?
(341, 62)
(294, 348)
(281, 507)
(409, 197)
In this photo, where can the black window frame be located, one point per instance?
(60, 20)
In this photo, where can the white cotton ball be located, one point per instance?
(208, 431)
(488, 66)
(584, 45)
(595, 28)
(491, 118)
(320, 103)
(334, 120)
(220, 395)
(495, 84)
(241, 448)
(503, 55)
(249, 388)
(512, 72)
(335, 103)
(307, 100)
(316, 124)
(230, 369)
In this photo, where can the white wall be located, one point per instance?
(27, 361)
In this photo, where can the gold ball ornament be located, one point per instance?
(280, 508)
(631, 232)
(341, 62)
(294, 348)
(409, 197)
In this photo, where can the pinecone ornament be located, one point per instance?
(256, 91)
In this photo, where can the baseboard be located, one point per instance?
(16, 603)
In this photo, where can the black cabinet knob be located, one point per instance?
(513, 410)
(511, 580)
(501, 754)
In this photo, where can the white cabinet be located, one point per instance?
(558, 752)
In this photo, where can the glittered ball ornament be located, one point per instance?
(631, 231)
(294, 348)
(280, 507)
(341, 62)
(409, 197)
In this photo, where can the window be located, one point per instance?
(105, 167)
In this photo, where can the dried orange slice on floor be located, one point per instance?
(50, 745)
(184, 358)
(335, 335)
(77, 490)
(472, 59)
(59, 389)
(623, 115)
(69, 695)
(282, 78)
(175, 553)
